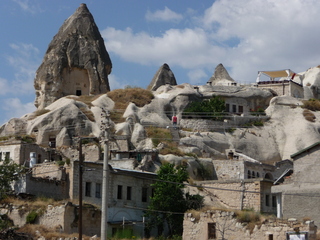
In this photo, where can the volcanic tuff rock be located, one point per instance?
(220, 76)
(162, 77)
(76, 61)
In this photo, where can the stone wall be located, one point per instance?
(224, 225)
(205, 125)
(241, 194)
(63, 218)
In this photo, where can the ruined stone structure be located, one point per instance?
(224, 225)
(76, 61)
(19, 151)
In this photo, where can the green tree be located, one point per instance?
(169, 201)
(215, 106)
(9, 172)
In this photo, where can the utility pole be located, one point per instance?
(80, 187)
(105, 127)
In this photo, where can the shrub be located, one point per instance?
(31, 217)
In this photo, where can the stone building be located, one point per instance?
(216, 224)
(299, 194)
(282, 82)
(239, 166)
(129, 194)
(19, 151)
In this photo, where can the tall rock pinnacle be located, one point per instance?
(162, 77)
(76, 61)
(220, 76)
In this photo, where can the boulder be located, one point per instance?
(76, 61)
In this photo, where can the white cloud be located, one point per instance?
(245, 35)
(163, 15)
(185, 47)
(13, 107)
(196, 75)
(25, 61)
(27, 6)
(4, 86)
(115, 83)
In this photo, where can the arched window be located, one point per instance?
(258, 175)
(249, 174)
(268, 176)
(253, 174)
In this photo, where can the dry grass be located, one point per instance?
(48, 233)
(308, 115)
(87, 99)
(311, 104)
(138, 96)
(38, 113)
(163, 135)
(88, 113)
(36, 204)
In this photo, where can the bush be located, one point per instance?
(31, 217)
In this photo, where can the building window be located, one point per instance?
(144, 194)
(7, 155)
(78, 92)
(0, 156)
(212, 231)
(88, 189)
(119, 194)
(234, 108)
(227, 107)
(258, 175)
(98, 190)
(240, 109)
(253, 174)
(274, 201)
(249, 174)
(52, 141)
(270, 237)
(129, 193)
(267, 200)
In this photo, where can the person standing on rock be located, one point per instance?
(174, 121)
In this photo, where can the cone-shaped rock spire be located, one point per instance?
(76, 61)
(162, 77)
(220, 76)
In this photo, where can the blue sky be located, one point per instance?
(191, 36)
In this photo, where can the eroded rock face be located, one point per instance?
(76, 61)
(162, 77)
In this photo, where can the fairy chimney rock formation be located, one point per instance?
(162, 77)
(220, 77)
(76, 61)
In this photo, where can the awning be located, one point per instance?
(285, 73)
